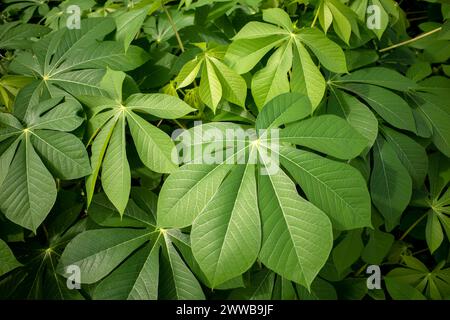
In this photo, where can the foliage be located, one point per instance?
(95, 122)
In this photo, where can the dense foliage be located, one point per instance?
(357, 92)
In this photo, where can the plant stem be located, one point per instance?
(420, 251)
(426, 34)
(315, 18)
(179, 124)
(174, 27)
(413, 226)
(360, 270)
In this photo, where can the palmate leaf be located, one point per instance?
(73, 60)
(256, 39)
(206, 196)
(160, 28)
(132, 253)
(217, 79)
(111, 115)
(28, 189)
(37, 277)
(437, 202)
(434, 284)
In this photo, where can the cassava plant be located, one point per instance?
(225, 149)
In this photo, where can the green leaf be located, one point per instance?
(347, 251)
(272, 80)
(439, 118)
(160, 105)
(242, 55)
(328, 134)
(8, 261)
(6, 158)
(98, 151)
(183, 284)
(297, 236)
(234, 88)
(129, 23)
(64, 153)
(411, 154)
(28, 191)
(390, 184)
(378, 247)
(153, 145)
(401, 291)
(320, 290)
(63, 117)
(306, 77)
(325, 16)
(341, 24)
(356, 113)
(14, 35)
(138, 277)
(283, 109)
(284, 290)
(381, 15)
(387, 104)
(336, 188)
(102, 54)
(226, 235)
(116, 176)
(380, 76)
(438, 174)
(98, 252)
(279, 17)
(260, 287)
(210, 88)
(329, 53)
(433, 232)
(419, 71)
(188, 73)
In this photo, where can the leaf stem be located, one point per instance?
(179, 124)
(360, 270)
(174, 27)
(315, 18)
(413, 226)
(426, 34)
